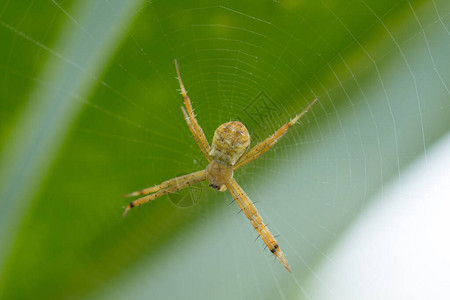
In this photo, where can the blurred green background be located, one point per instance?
(90, 110)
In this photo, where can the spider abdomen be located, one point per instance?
(231, 140)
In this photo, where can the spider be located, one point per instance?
(227, 153)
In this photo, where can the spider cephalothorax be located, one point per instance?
(227, 153)
(218, 174)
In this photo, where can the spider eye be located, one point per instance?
(214, 186)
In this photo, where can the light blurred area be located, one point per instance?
(399, 247)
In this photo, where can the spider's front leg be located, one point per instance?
(163, 185)
(252, 214)
(171, 186)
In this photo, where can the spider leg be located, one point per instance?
(175, 187)
(191, 121)
(165, 184)
(191, 127)
(252, 214)
(265, 145)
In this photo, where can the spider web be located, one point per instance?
(90, 111)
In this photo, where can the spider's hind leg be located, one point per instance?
(191, 121)
(268, 143)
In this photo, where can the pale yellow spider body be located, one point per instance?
(231, 140)
(227, 153)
